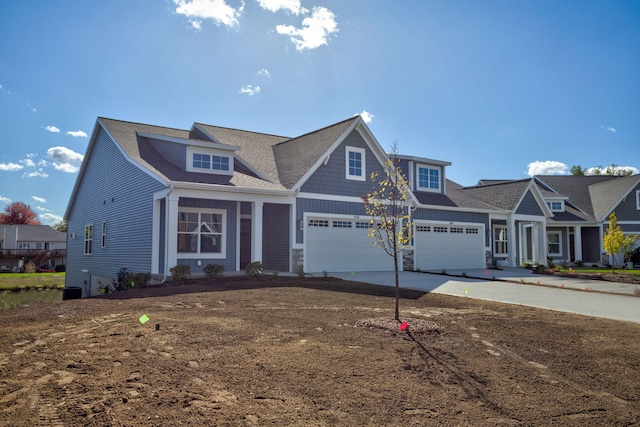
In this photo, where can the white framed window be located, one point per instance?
(428, 178)
(500, 241)
(104, 234)
(638, 200)
(355, 163)
(88, 239)
(342, 224)
(553, 243)
(556, 205)
(319, 223)
(212, 161)
(201, 232)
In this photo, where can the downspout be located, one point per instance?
(166, 235)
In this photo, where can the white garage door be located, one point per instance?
(449, 246)
(342, 245)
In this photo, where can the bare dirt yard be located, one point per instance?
(311, 352)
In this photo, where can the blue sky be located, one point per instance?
(502, 89)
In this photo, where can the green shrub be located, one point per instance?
(180, 272)
(578, 262)
(134, 280)
(254, 269)
(540, 269)
(213, 271)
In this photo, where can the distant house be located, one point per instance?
(149, 198)
(580, 208)
(41, 244)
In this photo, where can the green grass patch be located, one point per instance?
(598, 270)
(25, 281)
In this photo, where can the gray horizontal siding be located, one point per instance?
(331, 178)
(112, 190)
(174, 153)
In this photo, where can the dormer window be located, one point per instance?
(213, 161)
(206, 161)
(556, 205)
(428, 178)
(355, 163)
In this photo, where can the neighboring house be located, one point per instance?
(149, 198)
(41, 244)
(580, 208)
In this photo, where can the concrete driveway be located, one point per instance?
(608, 300)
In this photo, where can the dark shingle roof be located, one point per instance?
(503, 195)
(296, 156)
(36, 233)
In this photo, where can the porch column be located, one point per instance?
(512, 242)
(542, 243)
(256, 231)
(171, 219)
(577, 242)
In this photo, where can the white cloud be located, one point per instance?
(216, 10)
(366, 116)
(10, 167)
(548, 167)
(250, 90)
(52, 129)
(49, 218)
(28, 163)
(5, 199)
(39, 199)
(316, 29)
(264, 72)
(77, 133)
(65, 160)
(33, 109)
(43, 209)
(610, 129)
(36, 174)
(292, 6)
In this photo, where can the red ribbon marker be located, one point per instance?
(404, 326)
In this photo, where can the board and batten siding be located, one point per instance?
(529, 206)
(114, 190)
(231, 207)
(275, 237)
(331, 178)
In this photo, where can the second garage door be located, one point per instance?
(342, 245)
(448, 246)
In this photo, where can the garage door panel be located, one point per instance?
(345, 248)
(454, 246)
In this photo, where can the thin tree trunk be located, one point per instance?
(395, 262)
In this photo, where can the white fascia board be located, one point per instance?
(318, 196)
(424, 160)
(239, 192)
(192, 142)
